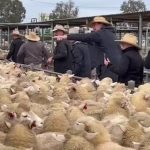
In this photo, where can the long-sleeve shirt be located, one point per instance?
(14, 48)
(32, 53)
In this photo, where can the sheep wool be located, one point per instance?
(139, 101)
(145, 144)
(117, 104)
(50, 141)
(73, 114)
(56, 122)
(134, 133)
(78, 143)
(20, 136)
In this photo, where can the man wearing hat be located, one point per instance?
(104, 38)
(62, 54)
(131, 64)
(33, 51)
(15, 45)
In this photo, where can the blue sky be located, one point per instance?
(86, 7)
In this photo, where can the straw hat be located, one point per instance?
(130, 39)
(100, 20)
(32, 37)
(59, 27)
(16, 32)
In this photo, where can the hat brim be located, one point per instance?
(54, 30)
(13, 34)
(102, 22)
(32, 39)
(127, 42)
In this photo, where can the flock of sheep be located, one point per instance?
(41, 112)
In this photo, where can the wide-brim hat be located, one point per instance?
(130, 39)
(32, 37)
(16, 32)
(100, 20)
(59, 27)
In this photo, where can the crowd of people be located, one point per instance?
(85, 53)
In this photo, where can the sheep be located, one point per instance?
(143, 118)
(3, 147)
(6, 119)
(97, 134)
(59, 94)
(77, 92)
(145, 143)
(92, 108)
(2, 137)
(20, 136)
(73, 114)
(133, 133)
(56, 122)
(4, 97)
(139, 101)
(117, 104)
(50, 141)
(19, 97)
(78, 143)
(116, 125)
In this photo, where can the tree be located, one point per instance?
(11, 11)
(64, 10)
(133, 6)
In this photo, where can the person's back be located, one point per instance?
(81, 60)
(32, 52)
(135, 69)
(62, 56)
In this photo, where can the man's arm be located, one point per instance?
(88, 37)
(147, 61)
(11, 51)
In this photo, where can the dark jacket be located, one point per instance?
(32, 53)
(147, 61)
(96, 55)
(62, 56)
(81, 65)
(130, 67)
(105, 38)
(14, 48)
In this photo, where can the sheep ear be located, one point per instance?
(136, 145)
(12, 90)
(8, 124)
(71, 75)
(91, 136)
(146, 130)
(123, 128)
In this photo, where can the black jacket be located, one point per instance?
(81, 65)
(130, 67)
(14, 48)
(62, 56)
(105, 38)
(147, 61)
(96, 55)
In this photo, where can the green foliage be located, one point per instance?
(133, 6)
(64, 10)
(11, 11)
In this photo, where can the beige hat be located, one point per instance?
(130, 39)
(100, 20)
(59, 27)
(32, 37)
(16, 32)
